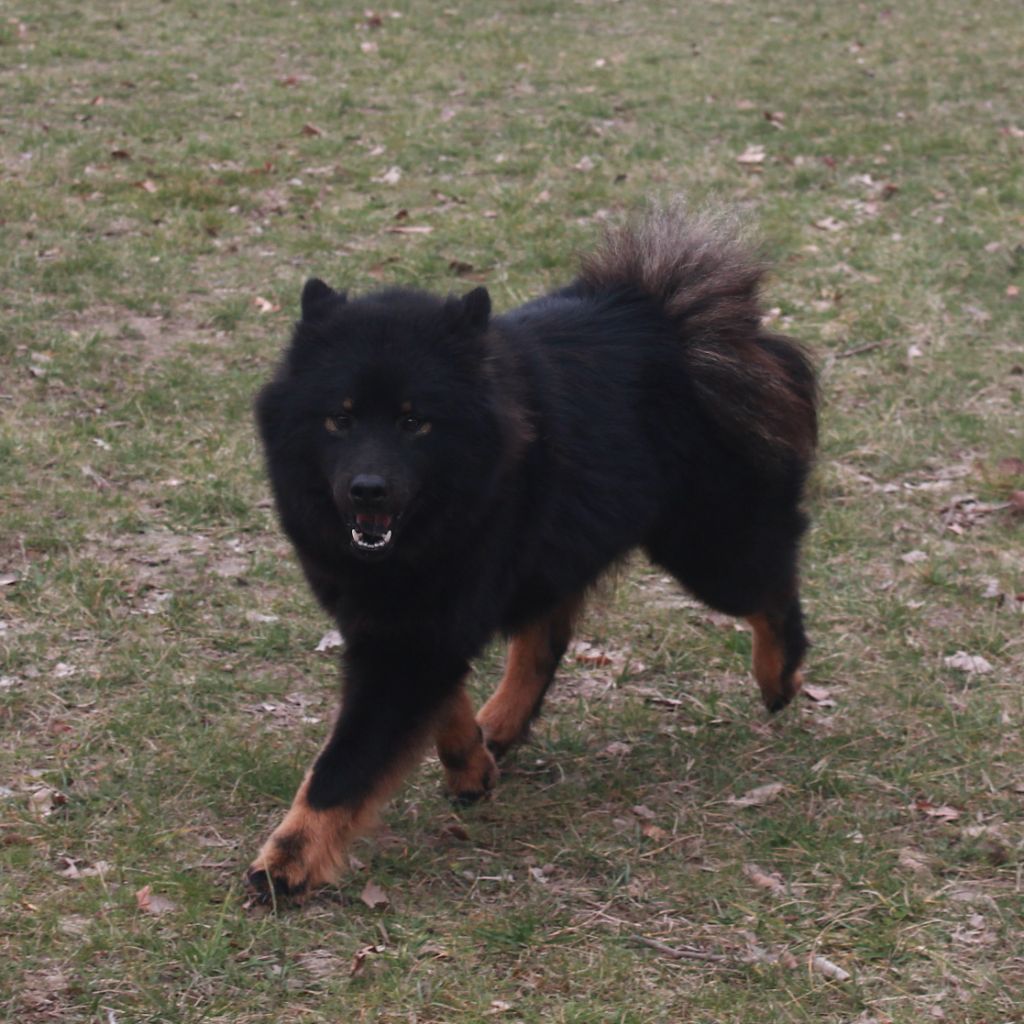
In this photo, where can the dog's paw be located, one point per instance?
(472, 780)
(305, 852)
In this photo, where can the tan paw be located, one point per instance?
(474, 778)
(305, 851)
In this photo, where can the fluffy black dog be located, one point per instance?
(445, 474)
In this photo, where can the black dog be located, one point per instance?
(445, 474)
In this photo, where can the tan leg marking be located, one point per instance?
(533, 656)
(769, 659)
(308, 849)
(469, 767)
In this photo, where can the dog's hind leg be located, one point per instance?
(470, 771)
(533, 656)
(779, 647)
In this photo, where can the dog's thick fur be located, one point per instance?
(445, 475)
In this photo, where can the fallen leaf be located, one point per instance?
(770, 880)
(913, 557)
(374, 896)
(369, 47)
(331, 639)
(829, 970)
(751, 156)
(1011, 466)
(655, 832)
(973, 664)
(775, 118)
(829, 224)
(359, 959)
(584, 164)
(941, 812)
(392, 176)
(42, 802)
(460, 267)
(8, 579)
(259, 617)
(120, 154)
(147, 186)
(1012, 291)
(420, 229)
(758, 796)
(643, 811)
(152, 903)
(914, 860)
(265, 305)
(320, 963)
(312, 130)
(616, 749)
(819, 695)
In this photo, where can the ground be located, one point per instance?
(660, 851)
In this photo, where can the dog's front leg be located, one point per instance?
(390, 708)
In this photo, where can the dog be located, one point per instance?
(446, 474)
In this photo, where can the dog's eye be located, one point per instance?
(413, 425)
(338, 424)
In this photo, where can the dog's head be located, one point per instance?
(381, 420)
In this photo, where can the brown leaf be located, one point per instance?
(120, 154)
(312, 130)
(1017, 503)
(643, 811)
(360, 957)
(455, 831)
(972, 664)
(829, 224)
(1011, 466)
(412, 229)
(153, 903)
(460, 267)
(265, 305)
(374, 896)
(914, 860)
(752, 156)
(941, 812)
(829, 970)
(819, 695)
(616, 749)
(758, 796)
(147, 186)
(770, 880)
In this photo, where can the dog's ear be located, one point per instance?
(476, 308)
(317, 299)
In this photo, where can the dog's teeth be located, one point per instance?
(386, 539)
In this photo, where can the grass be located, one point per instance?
(171, 172)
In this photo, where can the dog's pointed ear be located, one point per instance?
(476, 308)
(317, 299)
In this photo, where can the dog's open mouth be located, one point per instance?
(372, 532)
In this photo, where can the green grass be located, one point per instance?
(171, 172)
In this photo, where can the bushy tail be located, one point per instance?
(757, 386)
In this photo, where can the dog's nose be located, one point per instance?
(368, 489)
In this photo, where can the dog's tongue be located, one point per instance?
(374, 523)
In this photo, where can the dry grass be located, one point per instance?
(170, 174)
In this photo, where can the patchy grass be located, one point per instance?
(171, 172)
